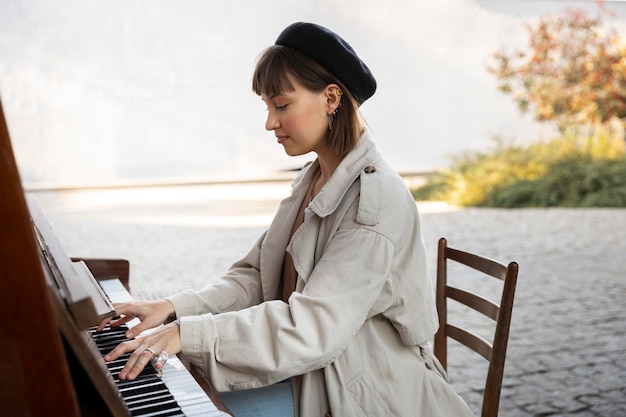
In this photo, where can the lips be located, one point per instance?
(281, 139)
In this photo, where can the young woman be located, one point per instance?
(332, 310)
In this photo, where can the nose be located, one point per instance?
(272, 121)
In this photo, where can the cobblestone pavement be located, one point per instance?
(566, 353)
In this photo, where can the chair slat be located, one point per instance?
(474, 301)
(471, 340)
(480, 263)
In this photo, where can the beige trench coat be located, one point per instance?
(358, 326)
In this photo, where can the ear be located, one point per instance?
(333, 94)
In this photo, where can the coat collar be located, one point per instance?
(348, 170)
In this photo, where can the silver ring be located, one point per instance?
(162, 358)
(150, 350)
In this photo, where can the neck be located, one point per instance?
(328, 163)
(327, 166)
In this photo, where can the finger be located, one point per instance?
(135, 364)
(102, 325)
(122, 320)
(137, 329)
(120, 350)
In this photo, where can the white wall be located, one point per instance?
(102, 91)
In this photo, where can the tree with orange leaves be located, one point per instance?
(573, 73)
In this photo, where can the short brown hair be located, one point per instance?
(270, 78)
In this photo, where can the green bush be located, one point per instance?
(566, 172)
(570, 182)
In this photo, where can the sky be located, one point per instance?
(106, 92)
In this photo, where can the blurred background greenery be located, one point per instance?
(572, 74)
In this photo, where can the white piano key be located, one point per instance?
(185, 389)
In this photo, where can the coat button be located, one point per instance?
(370, 169)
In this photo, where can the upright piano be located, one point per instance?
(50, 355)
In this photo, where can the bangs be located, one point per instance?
(270, 76)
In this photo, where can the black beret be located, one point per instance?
(334, 53)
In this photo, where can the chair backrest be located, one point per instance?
(493, 351)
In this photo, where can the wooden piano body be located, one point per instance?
(48, 367)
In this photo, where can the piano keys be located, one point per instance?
(175, 382)
(171, 392)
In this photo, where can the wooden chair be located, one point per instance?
(495, 351)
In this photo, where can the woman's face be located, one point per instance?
(299, 119)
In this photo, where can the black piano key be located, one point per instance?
(121, 329)
(131, 397)
(157, 402)
(145, 384)
(162, 413)
(136, 387)
(109, 337)
(159, 405)
(154, 397)
(108, 332)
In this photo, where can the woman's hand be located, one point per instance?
(145, 348)
(150, 313)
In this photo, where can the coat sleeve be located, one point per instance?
(239, 288)
(272, 341)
